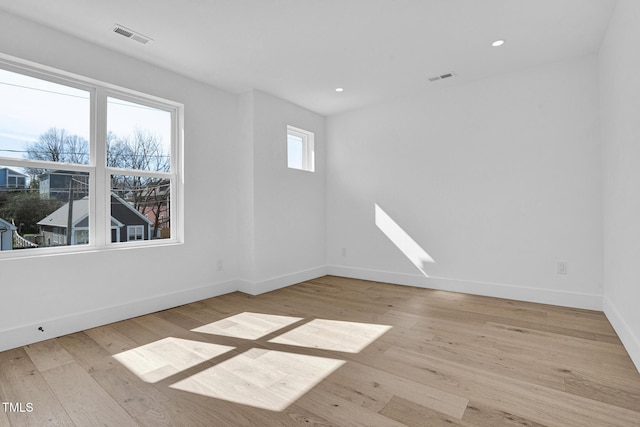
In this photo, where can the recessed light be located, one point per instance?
(497, 43)
(339, 89)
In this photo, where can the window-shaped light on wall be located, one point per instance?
(300, 152)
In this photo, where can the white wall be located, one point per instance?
(72, 292)
(246, 188)
(496, 180)
(250, 222)
(285, 233)
(620, 107)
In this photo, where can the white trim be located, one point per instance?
(630, 341)
(102, 201)
(308, 149)
(80, 321)
(118, 224)
(75, 230)
(41, 164)
(134, 227)
(497, 290)
(268, 285)
(139, 172)
(75, 80)
(29, 334)
(99, 173)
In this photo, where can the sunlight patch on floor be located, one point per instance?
(261, 378)
(336, 335)
(161, 359)
(247, 325)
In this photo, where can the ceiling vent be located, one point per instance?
(130, 34)
(441, 77)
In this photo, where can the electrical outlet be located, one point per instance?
(220, 265)
(563, 267)
(344, 251)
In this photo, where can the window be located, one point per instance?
(139, 140)
(135, 232)
(84, 164)
(300, 153)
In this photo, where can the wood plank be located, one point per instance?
(84, 400)
(412, 414)
(343, 412)
(448, 359)
(48, 354)
(4, 420)
(574, 351)
(482, 355)
(297, 415)
(482, 415)
(110, 339)
(141, 401)
(617, 396)
(136, 332)
(145, 403)
(20, 382)
(373, 389)
(537, 403)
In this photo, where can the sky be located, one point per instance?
(30, 106)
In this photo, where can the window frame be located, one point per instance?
(134, 228)
(308, 152)
(99, 173)
(172, 176)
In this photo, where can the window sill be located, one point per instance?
(82, 249)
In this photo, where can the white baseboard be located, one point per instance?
(28, 334)
(498, 290)
(630, 341)
(268, 285)
(52, 328)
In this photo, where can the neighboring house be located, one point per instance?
(6, 235)
(56, 184)
(11, 179)
(127, 224)
(163, 217)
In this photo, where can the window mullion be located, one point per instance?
(101, 225)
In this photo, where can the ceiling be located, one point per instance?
(301, 50)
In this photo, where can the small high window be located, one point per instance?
(300, 153)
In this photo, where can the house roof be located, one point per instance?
(14, 172)
(60, 217)
(7, 224)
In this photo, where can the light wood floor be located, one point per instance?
(332, 351)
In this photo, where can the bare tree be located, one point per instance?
(141, 151)
(57, 145)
